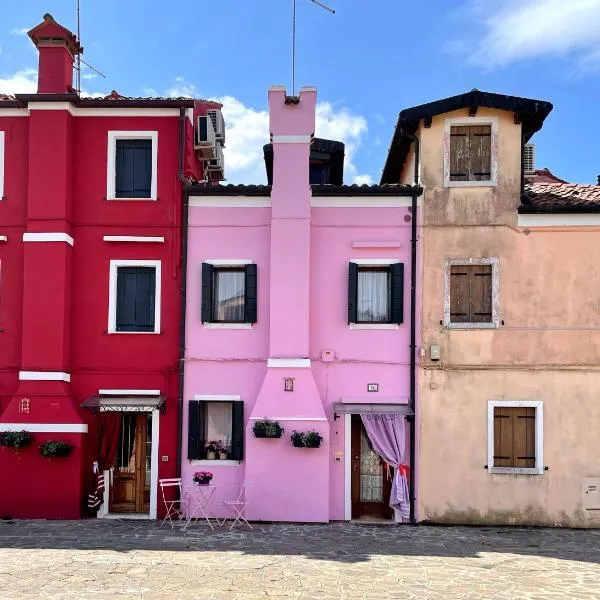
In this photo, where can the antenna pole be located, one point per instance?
(294, 49)
(78, 54)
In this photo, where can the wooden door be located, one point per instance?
(370, 485)
(130, 488)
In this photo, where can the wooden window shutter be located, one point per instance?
(133, 163)
(250, 304)
(397, 293)
(459, 154)
(481, 293)
(136, 297)
(352, 292)
(196, 439)
(126, 291)
(480, 153)
(514, 437)
(237, 433)
(207, 293)
(460, 294)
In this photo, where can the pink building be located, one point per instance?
(299, 312)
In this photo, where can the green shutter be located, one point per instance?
(250, 304)
(207, 292)
(352, 292)
(397, 293)
(237, 427)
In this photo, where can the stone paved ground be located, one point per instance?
(142, 560)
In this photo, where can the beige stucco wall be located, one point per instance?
(547, 349)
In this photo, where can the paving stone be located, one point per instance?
(140, 560)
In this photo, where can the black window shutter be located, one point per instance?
(196, 428)
(145, 298)
(352, 292)
(207, 292)
(251, 295)
(397, 293)
(126, 294)
(237, 433)
(133, 164)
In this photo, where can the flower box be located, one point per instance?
(306, 439)
(15, 439)
(266, 428)
(55, 449)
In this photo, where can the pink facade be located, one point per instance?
(301, 239)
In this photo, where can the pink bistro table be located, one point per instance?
(197, 503)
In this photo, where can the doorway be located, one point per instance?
(370, 485)
(131, 478)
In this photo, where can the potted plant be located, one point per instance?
(297, 439)
(202, 477)
(211, 450)
(15, 439)
(55, 449)
(222, 451)
(312, 439)
(265, 428)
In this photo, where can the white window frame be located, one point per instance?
(539, 436)
(224, 263)
(374, 262)
(111, 166)
(495, 323)
(112, 295)
(203, 462)
(2, 152)
(466, 121)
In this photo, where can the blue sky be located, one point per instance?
(369, 61)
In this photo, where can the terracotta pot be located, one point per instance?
(211, 455)
(223, 455)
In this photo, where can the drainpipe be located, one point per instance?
(184, 238)
(413, 325)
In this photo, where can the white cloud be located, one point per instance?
(19, 30)
(516, 30)
(21, 82)
(182, 88)
(363, 180)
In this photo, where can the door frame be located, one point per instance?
(103, 512)
(348, 469)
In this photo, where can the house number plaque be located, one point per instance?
(288, 384)
(372, 387)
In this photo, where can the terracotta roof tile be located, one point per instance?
(563, 196)
(7, 97)
(543, 176)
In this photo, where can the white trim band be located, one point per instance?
(362, 201)
(48, 237)
(44, 376)
(227, 325)
(45, 427)
(134, 238)
(289, 363)
(559, 220)
(228, 262)
(129, 392)
(292, 139)
(375, 262)
(217, 397)
(117, 111)
(230, 201)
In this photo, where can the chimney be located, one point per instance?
(58, 48)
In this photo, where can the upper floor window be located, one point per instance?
(1, 165)
(228, 293)
(470, 153)
(472, 291)
(375, 293)
(132, 163)
(134, 301)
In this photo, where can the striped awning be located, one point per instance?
(369, 408)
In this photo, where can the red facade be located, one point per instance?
(56, 345)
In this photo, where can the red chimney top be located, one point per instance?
(57, 47)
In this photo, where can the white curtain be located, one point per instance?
(229, 295)
(218, 423)
(373, 297)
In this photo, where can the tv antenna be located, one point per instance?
(80, 60)
(318, 3)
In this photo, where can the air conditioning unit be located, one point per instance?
(529, 158)
(217, 163)
(204, 136)
(216, 116)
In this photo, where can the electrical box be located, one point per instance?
(435, 352)
(591, 493)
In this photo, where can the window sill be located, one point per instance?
(461, 184)
(134, 332)
(228, 325)
(374, 326)
(134, 199)
(515, 471)
(215, 463)
(468, 326)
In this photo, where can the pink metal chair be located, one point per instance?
(174, 508)
(238, 506)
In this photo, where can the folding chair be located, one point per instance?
(238, 506)
(174, 507)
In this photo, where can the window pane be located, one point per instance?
(229, 295)
(219, 423)
(373, 296)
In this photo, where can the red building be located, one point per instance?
(91, 285)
